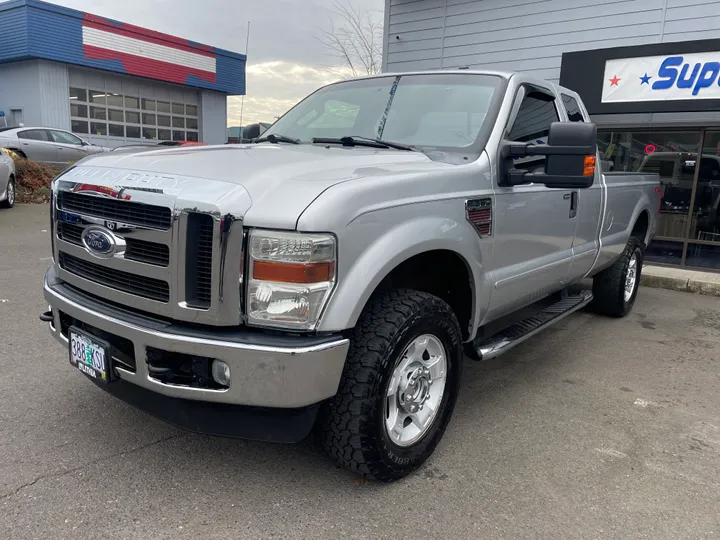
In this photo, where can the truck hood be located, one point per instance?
(268, 185)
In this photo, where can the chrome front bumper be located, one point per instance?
(266, 370)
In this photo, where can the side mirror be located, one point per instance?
(571, 157)
(84, 143)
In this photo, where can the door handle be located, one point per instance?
(573, 203)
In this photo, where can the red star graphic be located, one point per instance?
(614, 81)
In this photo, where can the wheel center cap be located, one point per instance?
(414, 390)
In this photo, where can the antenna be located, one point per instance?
(242, 99)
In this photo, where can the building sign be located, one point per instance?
(690, 76)
(144, 53)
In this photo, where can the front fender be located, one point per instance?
(390, 247)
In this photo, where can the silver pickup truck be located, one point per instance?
(330, 277)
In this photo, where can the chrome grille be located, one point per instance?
(179, 263)
(147, 252)
(145, 287)
(132, 213)
(137, 250)
(198, 262)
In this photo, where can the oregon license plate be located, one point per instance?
(89, 355)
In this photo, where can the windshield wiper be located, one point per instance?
(273, 138)
(359, 140)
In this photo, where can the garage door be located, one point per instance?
(112, 110)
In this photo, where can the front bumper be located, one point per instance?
(267, 370)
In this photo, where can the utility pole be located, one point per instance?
(242, 99)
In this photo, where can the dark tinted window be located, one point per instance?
(532, 125)
(573, 109)
(34, 134)
(533, 121)
(78, 126)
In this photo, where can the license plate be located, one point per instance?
(89, 355)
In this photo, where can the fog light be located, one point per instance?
(221, 372)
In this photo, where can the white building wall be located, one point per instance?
(54, 94)
(20, 93)
(531, 35)
(213, 117)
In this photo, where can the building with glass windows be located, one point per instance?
(648, 72)
(109, 82)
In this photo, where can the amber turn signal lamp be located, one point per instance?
(589, 169)
(293, 272)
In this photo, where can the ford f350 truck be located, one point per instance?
(330, 277)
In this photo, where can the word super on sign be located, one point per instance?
(662, 78)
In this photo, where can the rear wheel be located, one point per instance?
(399, 386)
(19, 153)
(9, 201)
(615, 288)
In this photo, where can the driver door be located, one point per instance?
(534, 225)
(69, 147)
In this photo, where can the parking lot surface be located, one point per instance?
(596, 428)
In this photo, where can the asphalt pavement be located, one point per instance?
(596, 428)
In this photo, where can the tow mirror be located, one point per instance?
(570, 161)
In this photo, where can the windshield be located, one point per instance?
(436, 110)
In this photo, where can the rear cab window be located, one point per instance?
(573, 109)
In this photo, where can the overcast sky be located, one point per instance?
(285, 61)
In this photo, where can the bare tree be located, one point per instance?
(355, 38)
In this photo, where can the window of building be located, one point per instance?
(78, 110)
(78, 94)
(79, 126)
(112, 114)
(132, 117)
(96, 96)
(115, 100)
(132, 132)
(688, 228)
(115, 115)
(116, 130)
(97, 128)
(98, 113)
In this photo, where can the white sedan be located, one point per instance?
(7, 179)
(53, 146)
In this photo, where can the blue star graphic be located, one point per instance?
(645, 79)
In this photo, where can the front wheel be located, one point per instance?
(9, 201)
(615, 288)
(399, 386)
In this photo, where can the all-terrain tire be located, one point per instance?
(351, 427)
(609, 286)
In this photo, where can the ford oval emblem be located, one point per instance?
(99, 241)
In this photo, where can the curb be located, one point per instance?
(699, 282)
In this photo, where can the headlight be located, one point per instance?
(291, 276)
